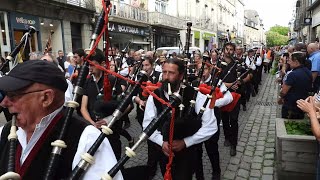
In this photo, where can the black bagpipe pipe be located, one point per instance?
(16, 50)
(175, 99)
(193, 101)
(186, 52)
(118, 69)
(132, 78)
(13, 141)
(214, 82)
(59, 144)
(87, 158)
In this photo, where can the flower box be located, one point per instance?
(295, 154)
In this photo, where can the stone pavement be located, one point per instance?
(255, 150)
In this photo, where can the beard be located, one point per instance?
(174, 85)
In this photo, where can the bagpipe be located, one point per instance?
(16, 50)
(147, 132)
(12, 137)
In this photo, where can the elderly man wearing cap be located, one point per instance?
(35, 95)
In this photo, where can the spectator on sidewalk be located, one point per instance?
(296, 85)
(314, 56)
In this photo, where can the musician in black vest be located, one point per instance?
(211, 144)
(187, 131)
(242, 67)
(153, 77)
(35, 94)
(230, 119)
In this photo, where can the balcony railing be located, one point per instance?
(129, 12)
(88, 4)
(156, 18)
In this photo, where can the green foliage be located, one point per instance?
(276, 39)
(280, 29)
(277, 36)
(298, 128)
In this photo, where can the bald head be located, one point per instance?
(312, 47)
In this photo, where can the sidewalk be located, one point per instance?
(256, 146)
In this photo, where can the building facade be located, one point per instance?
(69, 20)
(253, 29)
(302, 23)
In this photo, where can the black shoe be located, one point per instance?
(226, 143)
(126, 125)
(244, 108)
(233, 151)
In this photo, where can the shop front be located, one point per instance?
(209, 41)
(5, 47)
(164, 37)
(122, 35)
(20, 24)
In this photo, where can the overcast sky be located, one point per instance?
(272, 12)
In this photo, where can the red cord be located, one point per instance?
(168, 167)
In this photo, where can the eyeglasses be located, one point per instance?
(13, 95)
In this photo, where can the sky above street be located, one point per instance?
(272, 12)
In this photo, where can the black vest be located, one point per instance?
(37, 168)
(183, 127)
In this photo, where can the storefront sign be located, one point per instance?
(122, 28)
(207, 36)
(23, 21)
(196, 34)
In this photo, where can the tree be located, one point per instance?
(277, 36)
(280, 29)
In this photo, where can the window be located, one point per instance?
(161, 6)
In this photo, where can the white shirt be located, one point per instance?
(68, 94)
(104, 157)
(250, 63)
(125, 68)
(208, 127)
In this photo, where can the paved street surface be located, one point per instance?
(256, 147)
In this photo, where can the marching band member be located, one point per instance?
(188, 132)
(230, 119)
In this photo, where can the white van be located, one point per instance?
(171, 50)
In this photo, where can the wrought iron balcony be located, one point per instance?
(88, 4)
(156, 18)
(129, 12)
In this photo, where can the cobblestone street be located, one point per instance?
(256, 145)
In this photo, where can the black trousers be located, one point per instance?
(154, 156)
(212, 149)
(182, 165)
(230, 124)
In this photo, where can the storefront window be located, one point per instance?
(3, 29)
(197, 42)
(76, 36)
(51, 35)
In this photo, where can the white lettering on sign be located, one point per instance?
(128, 29)
(21, 20)
(111, 28)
